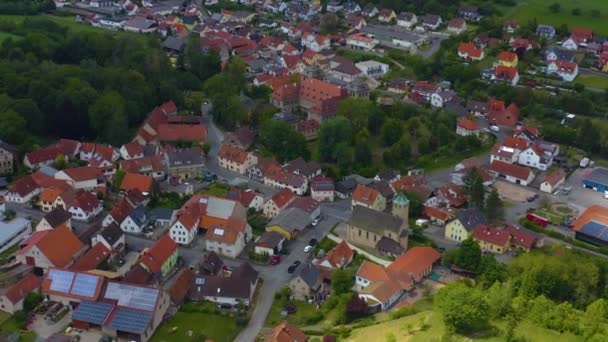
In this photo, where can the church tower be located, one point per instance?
(401, 209)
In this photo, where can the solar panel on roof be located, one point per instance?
(132, 296)
(61, 281)
(132, 321)
(85, 285)
(92, 312)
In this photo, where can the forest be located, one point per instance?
(57, 82)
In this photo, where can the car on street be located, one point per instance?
(307, 249)
(533, 198)
(293, 266)
(495, 128)
(312, 242)
(275, 259)
(209, 176)
(315, 222)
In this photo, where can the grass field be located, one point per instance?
(190, 326)
(428, 326)
(4, 36)
(67, 21)
(527, 10)
(304, 312)
(593, 81)
(11, 325)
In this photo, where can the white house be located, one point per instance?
(13, 297)
(512, 173)
(441, 97)
(535, 157)
(553, 180)
(184, 229)
(111, 236)
(570, 44)
(85, 206)
(315, 42)
(298, 184)
(227, 241)
(564, 69)
(361, 41)
(131, 150)
(23, 190)
(407, 19)
(136, 221)
(372, 68)
(322, 189)
(85, 178)
(466, 127)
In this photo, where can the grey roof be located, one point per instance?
(388, 33)
(431, 19)
(291, 219)
(374, 221)
(174, 43)
(302, 167)
(92, 312)
(48, 170)
(390, 246)
(470, 218)
(161, 214)
(564, 55)
(11, 228)
(269, 239)
(456, 108)
(311, 275)
(8, 147)
(544, 28)
(139, 215)
(237, 285)
(142, 24)
(346, 186)
(133, 296)
(111, 233)
(3, 182)
(186, 156)
(407, 16)
(57, 216)
(599, 176)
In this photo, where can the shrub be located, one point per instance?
(402, 312)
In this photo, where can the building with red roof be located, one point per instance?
(317, 98)
(92, 258)
(278, 202)
(506, 74)
(42, 249)
(469, 51)
(361, 41)
(565, 69)
(508, 59)
(338, 257)
(368, 197)
(235, 159)
(581, 34)
(41, 157)
(437, 216)
(161, 257)
(22, 190)
(492, 239)
(181, 132)
(466, 127)
(143, 183)
(282, 179)
(513, 173)
(322, 189)
(85, 206)
(12, 298)
(553, 180)
(81, 178)
(501, 116)
(131, 150)
(150, 166)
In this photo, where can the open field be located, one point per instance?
(4, 36)
(527, 10)
(67, 21)
(593, 81)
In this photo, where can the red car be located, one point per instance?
(275, 260)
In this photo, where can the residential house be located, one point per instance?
(470, 13)
(334, 6)
(308, 205)
(361, 41)
(13, 297)
(431, 22)
(338, 257)
(279, 201)
(546, 31)
(407, 20)
(92, 258)
(322, 189)
(425, 89)
(236, 288)
(54, 219)
(437, 216)
(235, 159)
(285, 332)
(478, 108)
(315, 42)
(161, 258)
(457, 25)
(368, 197)
(242, 137)
(81, 178)
(23, 190)
(528, 133)
(140, 25)
(173, 133)
(441, 97)
(71, 287)
(510, 26)
(110, 236)
(462, 226)
(42, 249)
(8, 156)
(552, 55)
(185, 228)
(309, 284)
(308, 128)
(13, 231)
(553, 180)
(373, 229)
(386, 15)
(317, 98)
(602, 61)
(281, 179)
(230, 239)
(512, 173)
(352, 8)
(564, 69)
(85, 206)
(48, 197)
(356, 22)
(134, 181)
(469, 51)
(135, 221)
(505, 74)
(508, 59)
(269, 243)
(501, 116)
(185, 163)
(345, 188)
(41, 157)
(466, 127)
(370, 11)
(450, 195)
(131, 150)
(249, 198)
(289, 222)
(492, 239)
(373, 69)
(308, 169)
(534, 156)
(148, 165)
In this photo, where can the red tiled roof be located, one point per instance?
(92, 258)
(582, 32)
(456, 23)
(22, 288)
(361, 36)
(85, 201)
(43, 154)
(468, 124)
(24, 186)
(566, 67)
(136, 181)
(435, 213)
(517, 171)
(232, 154)
(491, 235)
(520, 238)
(470, 49)
(338, 256)
(283, 197)
(68, 146)
(83, 173)
(502, 71)
(308, 204)
(157, 255)
(426, 87)
(364, 194)
(517, 143)
(60, 254)
(181, 285)
(415, 261)
(145, 164)
(134, 149)
(286, 332)
(593, 213)
(407, 183)
(555, 177)
(507, 56)
(177, 132)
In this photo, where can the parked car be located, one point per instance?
(313, 242)
(293, 266)
(315, 222)
(275, 259)
(495, 128)
(307, 249)
(209, 176)
(533, 198)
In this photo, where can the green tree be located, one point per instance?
(356, 110)
(332, 133)
(392, 130)
(12, 126)
(60, 162)
(469, 255)
(498, 298)
(595, 318)
(108, 118)
(283, 141)
(363, 154)
(494, 207)
(555, 7)
(329, 23)
(473, 185)
(342, 281)
(463, 308)
(206, 149)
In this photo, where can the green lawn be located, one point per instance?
(306, 314)
(7, 253)
(4, 36)
(428, 326)
(593, 81)
(11, 325)
(191, 326)
(68, 21)
(215, 189)
(527, 10)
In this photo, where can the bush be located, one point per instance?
(402, 312)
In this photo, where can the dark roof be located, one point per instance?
(237, 285)
(180, 287)
(111, 233)
(388, 174)
(160, 214)
(56, 217)
(6, 146)
(599, 176)
(245, 273)
(470, 218)
(384, 188)
(346, 186)
(212, 264)
(302, 167)
(373, 220)
(390, 246)
(173, 43)
(311, 275)
(269, 239)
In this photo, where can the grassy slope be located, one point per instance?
(435, 330)
(530, 9)
(219, 328)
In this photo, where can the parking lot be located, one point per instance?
(513, 192)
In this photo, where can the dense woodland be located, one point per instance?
(56, 82)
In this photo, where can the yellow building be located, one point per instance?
(508, 59)
(492, 239)
(289, 222)
(462, 227)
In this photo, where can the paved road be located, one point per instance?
(25, 210)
